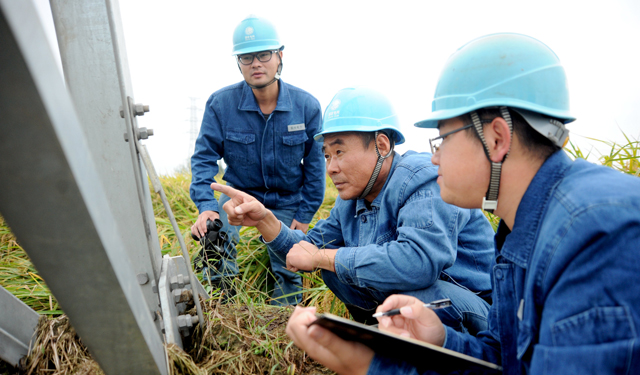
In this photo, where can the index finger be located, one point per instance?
(224, 189)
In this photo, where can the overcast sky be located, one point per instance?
(177, 50)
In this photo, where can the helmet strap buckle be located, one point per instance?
(488, 205)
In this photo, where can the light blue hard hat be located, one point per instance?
(505, 69)
(360, 109)
(255, 34)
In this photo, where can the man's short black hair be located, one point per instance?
(534, 143)
(369, 137)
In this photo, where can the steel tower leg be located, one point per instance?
(89, 64)
(53, 198)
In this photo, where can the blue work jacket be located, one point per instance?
(407, 239)
(565, 294)
(275, 160)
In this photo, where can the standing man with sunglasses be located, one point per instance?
(263, 129)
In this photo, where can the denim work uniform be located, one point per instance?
(565, 297)
(271, 157)
(407, 241)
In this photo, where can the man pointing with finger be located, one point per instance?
(389, 231)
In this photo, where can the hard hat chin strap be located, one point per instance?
(376, 170)
(490, 201)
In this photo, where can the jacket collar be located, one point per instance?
(360, 203)
(248, 100)
(517, 245)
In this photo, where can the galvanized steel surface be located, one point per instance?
(18, 322)
(54, 186)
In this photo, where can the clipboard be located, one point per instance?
(423, 355)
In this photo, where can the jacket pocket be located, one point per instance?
(600, 340)
(612, 358)
(241, 148)
(598, 325)
(293, 149)
(417, 211)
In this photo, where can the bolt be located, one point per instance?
(140, 109)
(178, 281)
(181, 321)
(144, 133)
(126, 137)
(175, 283)
(184, 323)
(194, 319)
(176, 295)
(121, 112)
(154, 286)
(185, 279)
(181, 307)
(143, 278)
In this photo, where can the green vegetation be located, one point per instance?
(255, 278)
(20, 278)
(245, 336)
(623, 157)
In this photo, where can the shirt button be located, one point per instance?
(364, 219)
(499, 274)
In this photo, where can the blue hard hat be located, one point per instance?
(360, 109)
(505, 69)
(255, 34)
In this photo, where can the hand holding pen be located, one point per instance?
(415, 321)
(433, 305)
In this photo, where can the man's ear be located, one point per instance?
(498, 137)
(384, 144)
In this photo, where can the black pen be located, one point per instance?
(434, 305)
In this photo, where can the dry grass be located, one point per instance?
(236, 338)
(59, 350)
(242, 339)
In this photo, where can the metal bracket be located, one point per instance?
(172, 289)
(18, 323)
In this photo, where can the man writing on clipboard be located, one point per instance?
(567, 245)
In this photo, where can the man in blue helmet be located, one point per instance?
(263, 128)
(389, 232)
(567, 251)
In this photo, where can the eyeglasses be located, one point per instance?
(437, 141)
(262, 56)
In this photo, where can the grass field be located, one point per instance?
(246, 336)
